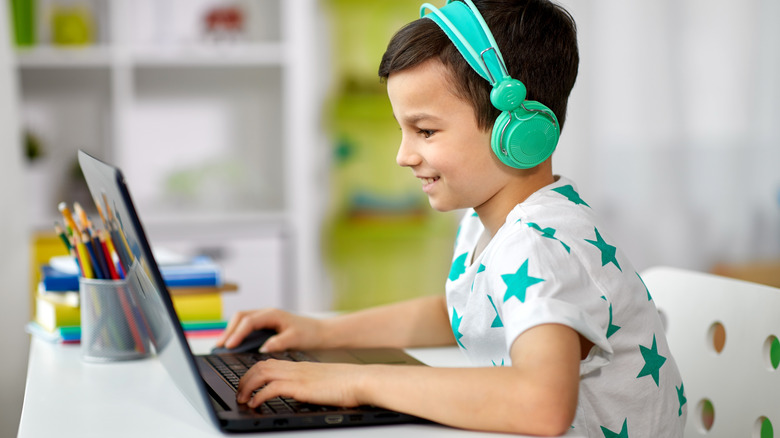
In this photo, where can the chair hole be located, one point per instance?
(705, 415)
(772, 352)
(763, 428)
(716, 337)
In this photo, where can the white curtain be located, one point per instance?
(673, 128)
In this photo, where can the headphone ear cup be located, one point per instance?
(526, 136)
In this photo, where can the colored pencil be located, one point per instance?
(82, 216)
(60, 232)
(63, 207)
(84, 259)
(100, 256)
(92, 254)
(108, 258)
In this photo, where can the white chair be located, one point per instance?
(732, 385)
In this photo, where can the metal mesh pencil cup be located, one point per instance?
(112, 329)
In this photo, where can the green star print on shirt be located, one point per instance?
(458, 267)
(519, 282)
(571, 195)
(608, 252)
(548, 233)
(612, 327)
(623, 431)
(681, 398)
(653, 362)
(456, 327)
(497, 320)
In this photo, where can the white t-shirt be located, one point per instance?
(551, 263)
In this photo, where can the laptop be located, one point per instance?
(208, 381)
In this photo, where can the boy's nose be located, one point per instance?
(406, 156)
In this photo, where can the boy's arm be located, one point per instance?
(537, 395)
(413, 323)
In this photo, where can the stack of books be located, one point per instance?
(195, 286)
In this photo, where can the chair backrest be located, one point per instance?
(723, 334)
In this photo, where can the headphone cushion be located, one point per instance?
(523, 139)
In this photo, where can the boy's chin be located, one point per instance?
(440, 206)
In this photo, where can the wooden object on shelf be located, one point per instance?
(763, 272)
(225, 287)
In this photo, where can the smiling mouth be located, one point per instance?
(426, 181)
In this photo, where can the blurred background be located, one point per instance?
(257, 132)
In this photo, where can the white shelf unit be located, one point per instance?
(219, 141)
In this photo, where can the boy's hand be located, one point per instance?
(318, 383)
(293, 332)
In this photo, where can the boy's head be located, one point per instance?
(536, 37)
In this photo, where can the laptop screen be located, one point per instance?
(154, 310)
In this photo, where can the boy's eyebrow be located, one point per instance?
(416, 118)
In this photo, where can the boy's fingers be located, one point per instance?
(256, 321)
(286, 339)
(231, 326)
(275, 343)
(243, 323)
(239, 333)
(247, 385)
(258, 377)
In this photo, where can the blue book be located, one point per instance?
(199, 272)
(56, 280)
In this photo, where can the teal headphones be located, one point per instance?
(526, 132)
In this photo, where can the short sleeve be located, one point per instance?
(539, 281)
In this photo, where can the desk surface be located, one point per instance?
(66, 397)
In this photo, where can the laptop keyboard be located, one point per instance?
(233, 366)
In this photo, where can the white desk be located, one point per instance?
(65, 397)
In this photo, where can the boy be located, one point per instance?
(564, 333)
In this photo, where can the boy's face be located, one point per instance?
(441, 142)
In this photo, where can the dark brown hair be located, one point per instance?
(538, 40)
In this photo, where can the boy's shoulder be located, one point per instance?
(556, 227)
(557, 205)
(554, 210)
(553, 223)
(562, 192)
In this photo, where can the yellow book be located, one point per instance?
(198, 307)
(51, 315)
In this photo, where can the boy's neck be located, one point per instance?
(493, 213)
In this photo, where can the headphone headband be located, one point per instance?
(457, 18)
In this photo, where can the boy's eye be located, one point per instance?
(427, 133)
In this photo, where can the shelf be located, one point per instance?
(269, 218)
(250, 55)
(180, 226)
(64, 57)
(217, 135)
(201, 55)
